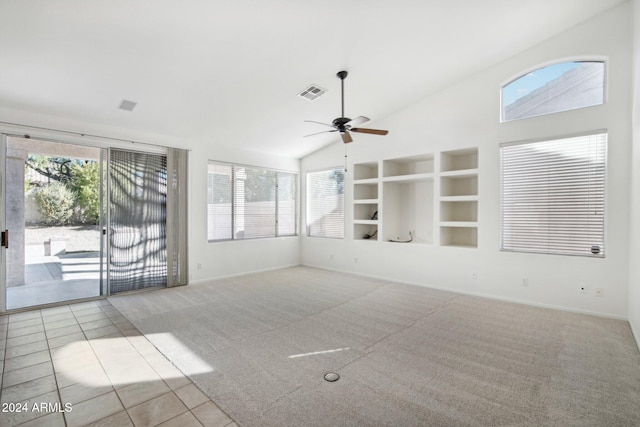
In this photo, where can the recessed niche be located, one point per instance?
(365, 191)
(365, 171)
(408, 166)
(459, 185)
(459, 160)
(365, 211)
(466, 237)
(365, 232)
(465, 211)
(408, 207)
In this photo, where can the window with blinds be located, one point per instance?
(553, 195)
(325, 203)
(247, 203)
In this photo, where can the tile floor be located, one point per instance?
(86, 364)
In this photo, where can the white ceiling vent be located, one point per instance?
(312, 93)
(127, 105)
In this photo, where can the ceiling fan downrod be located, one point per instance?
(342, 75)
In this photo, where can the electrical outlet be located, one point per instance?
(355, 260)
(199, 266)
(525, 281)
(474, 275)
(599, 292)
(331, 257)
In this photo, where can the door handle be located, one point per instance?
(5, 239)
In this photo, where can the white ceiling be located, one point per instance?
(228, 72)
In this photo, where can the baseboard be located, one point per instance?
(482, 295)
(636, 334)
(244, 273)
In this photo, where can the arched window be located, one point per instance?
(552, 89)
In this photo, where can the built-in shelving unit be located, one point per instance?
(459, 198)
(365, 201)
(394, 199)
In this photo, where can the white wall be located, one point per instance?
(634, 227)
(467, 114)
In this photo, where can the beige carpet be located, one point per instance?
(259, 346)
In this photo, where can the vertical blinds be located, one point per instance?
(138, 211)
(325, 198)
(177, 217)
(247, 203)
(553, 195)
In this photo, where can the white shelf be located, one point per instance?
(366, 221)
(466, 224)
(462, 173)
(413, 243)
(461, 246)
(459, 198)
(420, 177)
(366, 181)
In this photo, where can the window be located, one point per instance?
(246, 203)
(553, 195)
(325, 203)
(559, 87)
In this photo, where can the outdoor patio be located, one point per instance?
(63, 275)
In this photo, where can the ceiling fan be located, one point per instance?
(345, 125)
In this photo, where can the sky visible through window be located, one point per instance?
(532, 81)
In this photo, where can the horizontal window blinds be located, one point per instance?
(286, 204)
(325, 212)
(553, 196)
(219, 196)
(247, 203)
(254, 205)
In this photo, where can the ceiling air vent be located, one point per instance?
(127, 105)
(312, 93)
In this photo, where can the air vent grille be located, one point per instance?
(127, 105)
(312, 93)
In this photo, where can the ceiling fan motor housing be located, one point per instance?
(340, 123)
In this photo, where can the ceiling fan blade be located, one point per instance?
(358, 121)
(346, 137)
(372, 131)
(320, 123)
(318, 133)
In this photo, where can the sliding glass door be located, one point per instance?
(52, 234)
(80, 222)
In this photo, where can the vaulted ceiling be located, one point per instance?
(227, 73)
